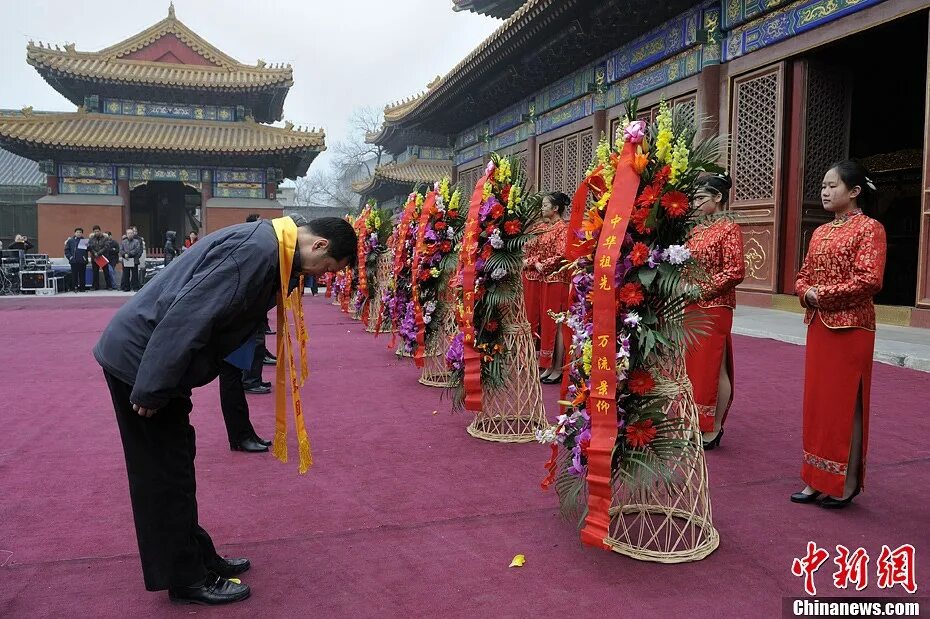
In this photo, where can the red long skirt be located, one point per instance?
(838, 363)
(555, 299)
(703, 360)
(532, 289)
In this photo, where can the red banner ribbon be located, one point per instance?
(400, 258)
(468, 256)
(429, 206)
(602, 401)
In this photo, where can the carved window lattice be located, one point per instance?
(545, 167)
(572, 163)
(468, 178)
(755, 136)
(827, 139)
(558, 165)
(563, 162)
(521, 158)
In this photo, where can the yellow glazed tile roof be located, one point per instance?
(108, 64)
(85, 131)
(410, 172)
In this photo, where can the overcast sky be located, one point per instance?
(345, 53)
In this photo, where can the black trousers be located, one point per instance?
(253, 376)
(78, 275)
(130, 278)
(159, 450)
(234, 404)
(106, 276)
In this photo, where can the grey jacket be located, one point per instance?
(131, 248)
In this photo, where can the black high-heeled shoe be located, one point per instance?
(831, 503)
(800, 497)
(715, 442)
(551, 380)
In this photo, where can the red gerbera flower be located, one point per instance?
(445, 247)
(490, 326)
(661, 177)
(639, 254)
(640, 382)
(631, 294)
(640, 434)
(486, 251)
(675, 203)
(505, 193)
(638, 218)
(497, 211)
(512, 226)
(648, 196)
(584, 444)
(440, 226)
(424, 275)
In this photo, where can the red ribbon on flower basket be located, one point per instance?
(346, 291)
(468, 256)
(602, 401)
(328, 282)
(400, 256)
(362, 259)
(429, 206)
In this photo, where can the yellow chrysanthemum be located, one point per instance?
(586, 358)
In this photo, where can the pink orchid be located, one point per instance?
(635, 131)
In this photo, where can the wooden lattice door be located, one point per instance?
(468, 178)
(827, 99)
(755, 165)
(563, 162)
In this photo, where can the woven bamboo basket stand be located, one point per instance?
(668, 523)
(382, 276)
(435, 371)
(513, 413)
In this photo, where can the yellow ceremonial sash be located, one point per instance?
(286, 231)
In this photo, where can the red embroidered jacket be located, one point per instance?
(547, 249)
(845, 264)
(718, 249)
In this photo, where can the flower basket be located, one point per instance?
(627, 457)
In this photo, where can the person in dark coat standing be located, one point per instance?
(171, 249)
(76, 253)
(130, 252)
(97, 246)
(170, 338)
(112, 254)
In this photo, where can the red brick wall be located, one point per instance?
(58, 221)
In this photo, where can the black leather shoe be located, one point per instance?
(250, 445)
(713, 443)
(270, 360)
(266, 384)
(214, 589)
(800, 497)
(259, 389)
(230, 568)
(270, 332)
(264, 442)
(831, 503)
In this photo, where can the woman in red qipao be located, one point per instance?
(842, 271)
(717, 246)
(548, 284)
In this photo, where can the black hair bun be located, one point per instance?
(722, 183)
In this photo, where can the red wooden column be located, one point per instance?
(206, 192)
(707, 104)
(122, 190)
(923, 264)
(600, 124)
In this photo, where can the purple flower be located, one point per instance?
(456, 354)
(576, 467)
(430, 235)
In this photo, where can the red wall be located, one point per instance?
(220, 217)
(169, 49)
(58, 221)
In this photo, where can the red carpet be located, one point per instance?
(404, 514)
